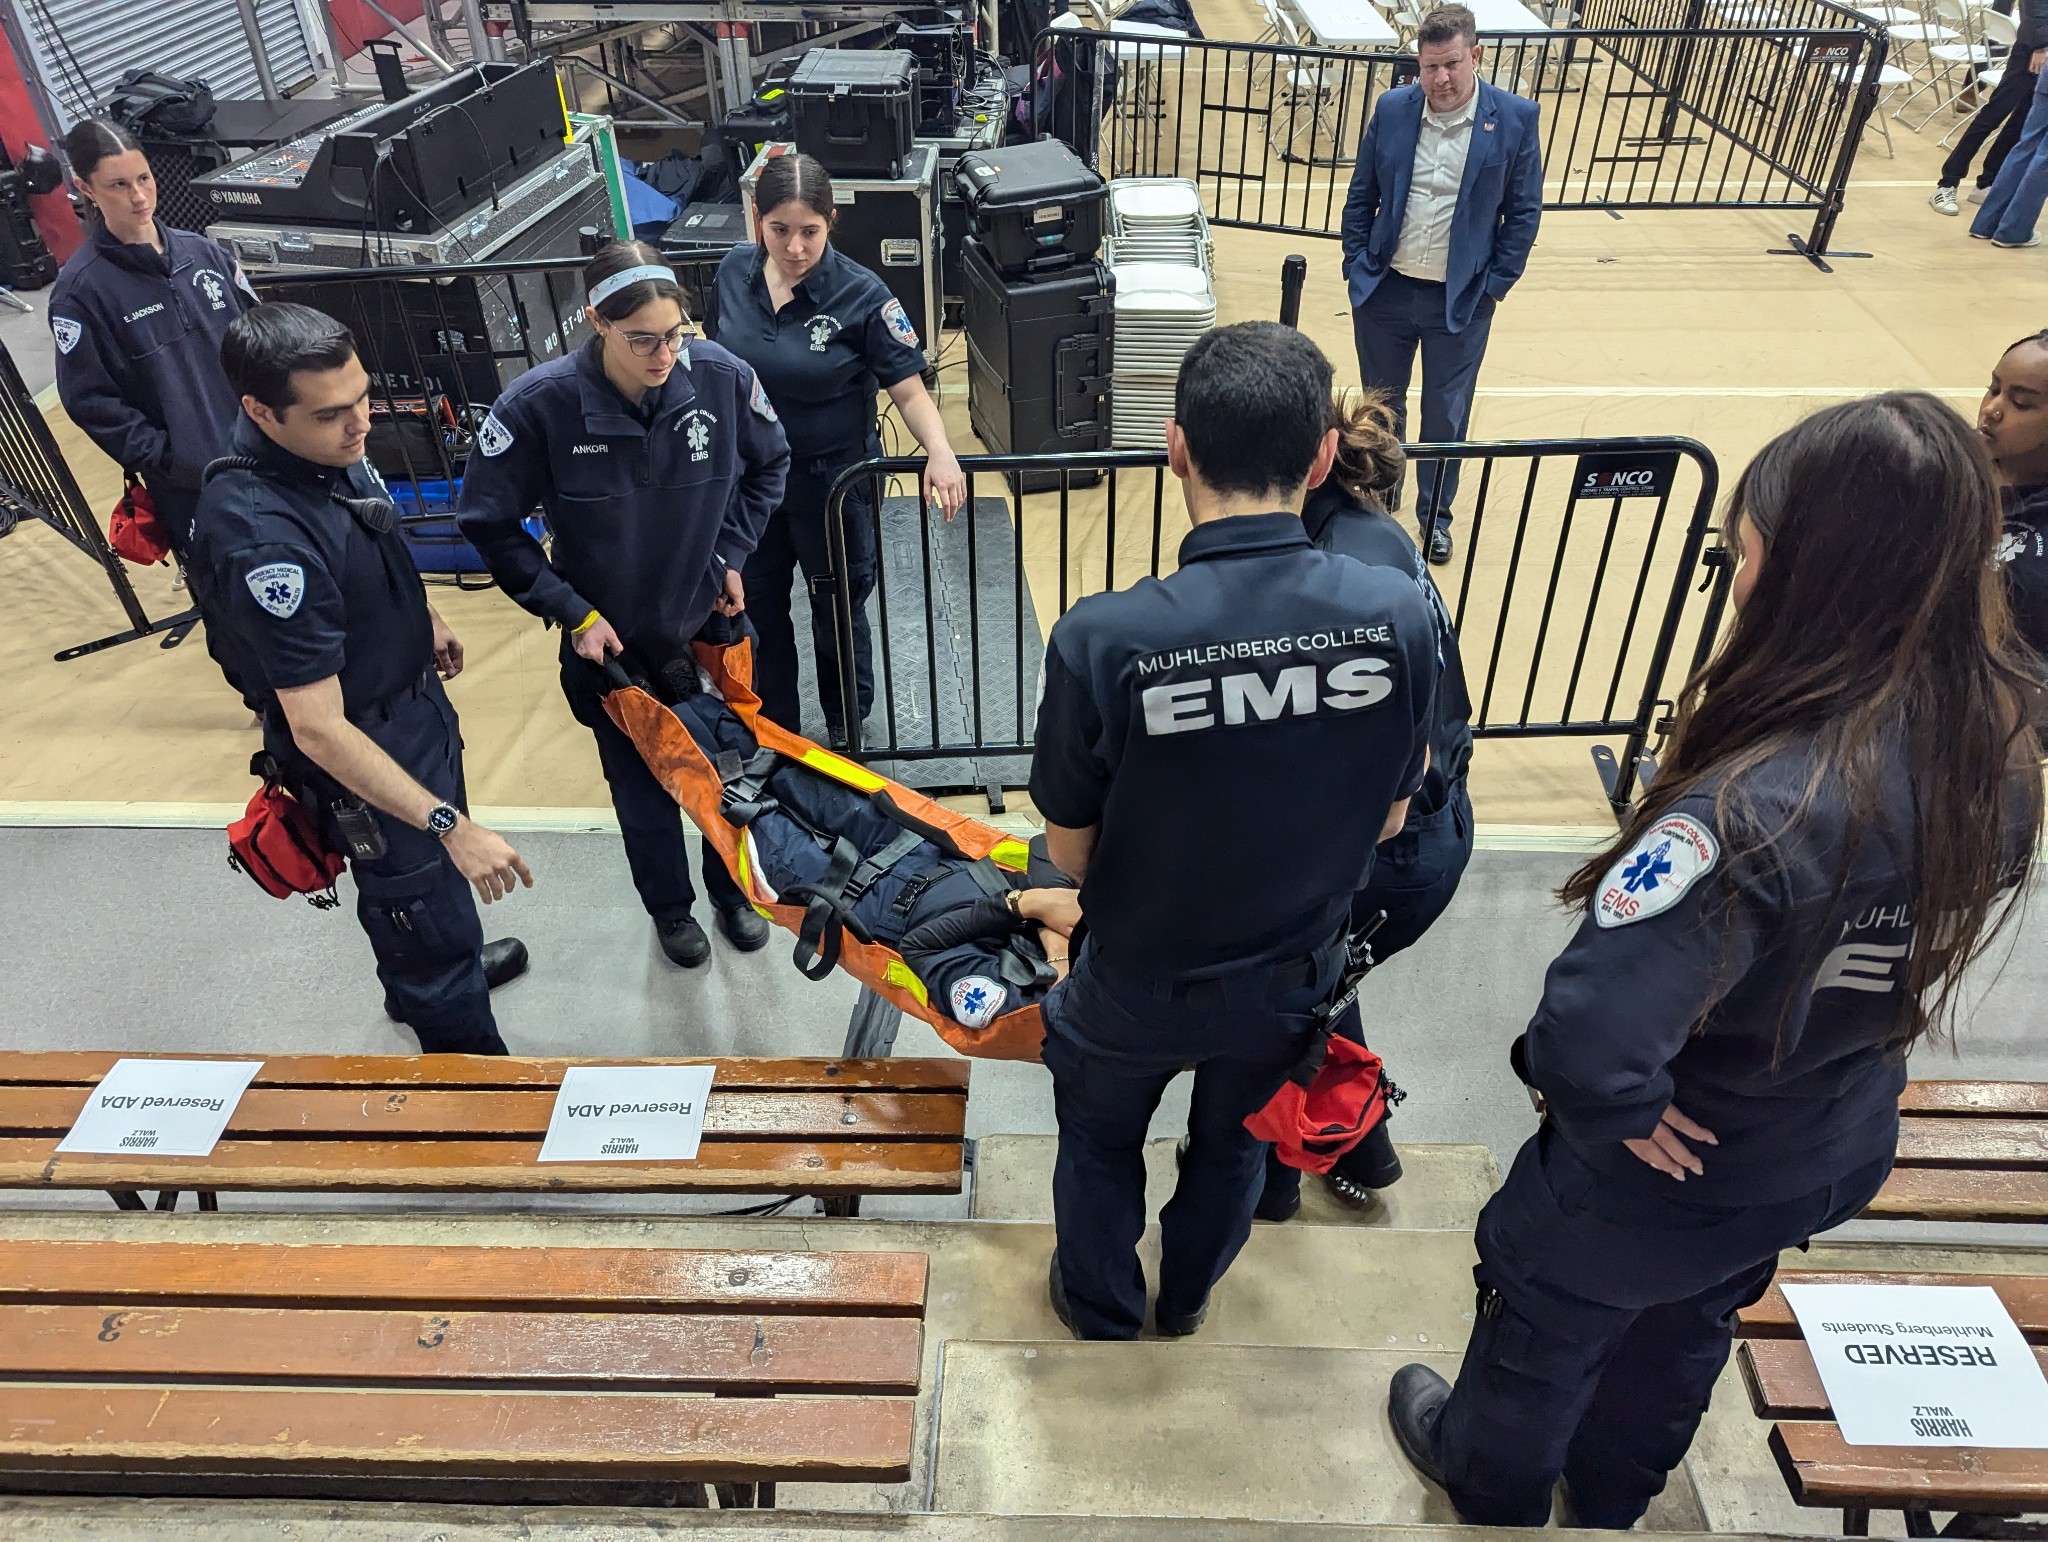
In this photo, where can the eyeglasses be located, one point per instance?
(647, 344)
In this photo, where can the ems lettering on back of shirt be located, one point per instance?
(1340, 670)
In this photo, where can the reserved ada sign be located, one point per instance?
(1923, 1365)
(160, 1107)
(628, 1113)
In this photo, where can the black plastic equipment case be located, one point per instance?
(855, 110)
(1038, 361)
(1033, 207)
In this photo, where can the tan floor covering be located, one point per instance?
(1665, 323)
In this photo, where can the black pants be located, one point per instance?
(650, 821)
(1604, 1320)
(1112, 1044)
(2005, 112)
(1402, 317)
(417, 910)
(1413, 879)
(795, 538)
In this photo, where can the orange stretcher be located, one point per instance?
(682, 767)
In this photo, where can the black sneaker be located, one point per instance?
(683, 941)
(743, 927)
(1177, 1325)
(1056, 1292)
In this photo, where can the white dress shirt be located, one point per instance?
(1441, 145)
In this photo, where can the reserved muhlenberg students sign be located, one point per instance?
(1923, 1365)
(160, 1107)
(628, 1113)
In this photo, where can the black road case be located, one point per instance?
(1038, 360)
(1033, 207)
(855, 109)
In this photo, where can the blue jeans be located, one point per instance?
(2014, 203)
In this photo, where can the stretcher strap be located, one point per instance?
(828, 903)
(743, 792)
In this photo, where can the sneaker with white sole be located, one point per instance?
(1944, 201)
(2016, 246)
(1979, 194)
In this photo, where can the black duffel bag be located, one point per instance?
(148, 103)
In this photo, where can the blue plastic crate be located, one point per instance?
(426, 522)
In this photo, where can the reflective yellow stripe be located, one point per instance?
(1014, 855)
(843, 770)
(900, 975)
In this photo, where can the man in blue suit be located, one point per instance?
(1442, 212)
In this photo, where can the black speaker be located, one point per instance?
(1038, 361)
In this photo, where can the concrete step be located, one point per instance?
(1442, 1186)
(1214, 1431)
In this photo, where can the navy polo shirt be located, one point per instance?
(1238, 731)
(295, 589)
(822, 356)
(647, 507)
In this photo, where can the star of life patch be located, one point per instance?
(278, 587)
(67, 332)
(494, 438)
(899, 323)
(758, 400)
(1669, 858)
(976, 999)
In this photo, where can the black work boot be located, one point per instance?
(1056, 1292)
(743, 927)
(1371, 1164)
(684, 942)
(1415, 1401)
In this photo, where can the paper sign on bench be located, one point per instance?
(628, 1113)
(1923, 1365)
(160, 1107)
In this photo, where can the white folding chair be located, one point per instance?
(1302, 98)
(1997, 33)
(1889, 78)
(1911, 42)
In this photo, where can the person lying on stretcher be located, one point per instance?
(982, 939)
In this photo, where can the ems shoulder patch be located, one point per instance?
(758, 400)
(278, 587)
(67, 332)
(899, 323)
(494, 438)
(976, 999)
(1672, 855)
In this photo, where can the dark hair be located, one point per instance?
(1370, 459)
(800, 179)
(1878, 627)
(265, 345)
(2040, 337)
(91, 141)
(1253, 402)
(617, 256)
(1446, 24)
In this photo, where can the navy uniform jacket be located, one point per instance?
(647, 509)
(298, 589)
(2023, 553)
(823, 356)
(138, 336)
(1335, 523)
(1239, 731)
(1757, 993)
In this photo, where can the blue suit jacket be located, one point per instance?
(1499, 201)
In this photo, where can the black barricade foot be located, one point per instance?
(174, 628)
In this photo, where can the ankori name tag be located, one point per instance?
(628, 1113)
(1923, 1365)
(160, 1107)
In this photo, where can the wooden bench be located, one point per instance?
(492, 1375)
(1823, 1470)
(1969, 1151)
(837, 1129)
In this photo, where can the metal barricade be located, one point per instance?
(1647, 104)
(1587, 586)
(36, 482)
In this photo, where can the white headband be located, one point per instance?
(606, 288)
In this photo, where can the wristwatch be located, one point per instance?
(441, 820)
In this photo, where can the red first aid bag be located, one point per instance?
(277, 842)
(135, 530)
(1311, 1126)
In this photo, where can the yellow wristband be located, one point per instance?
(583, 626)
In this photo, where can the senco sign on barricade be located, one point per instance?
(1575, 593)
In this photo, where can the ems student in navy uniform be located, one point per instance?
(822, 332)
(2013, 422)
(1414, 874)
(1263, 713)
(1792, 907)
(138, 314)
(315, 607)
(657, 460)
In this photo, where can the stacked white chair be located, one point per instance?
(1158, 250)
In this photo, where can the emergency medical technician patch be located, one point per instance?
(67, 332)
(1672, 855)
(278, 587)
(758, 400)
(899, 323)
(977, 999)
(494, 438)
